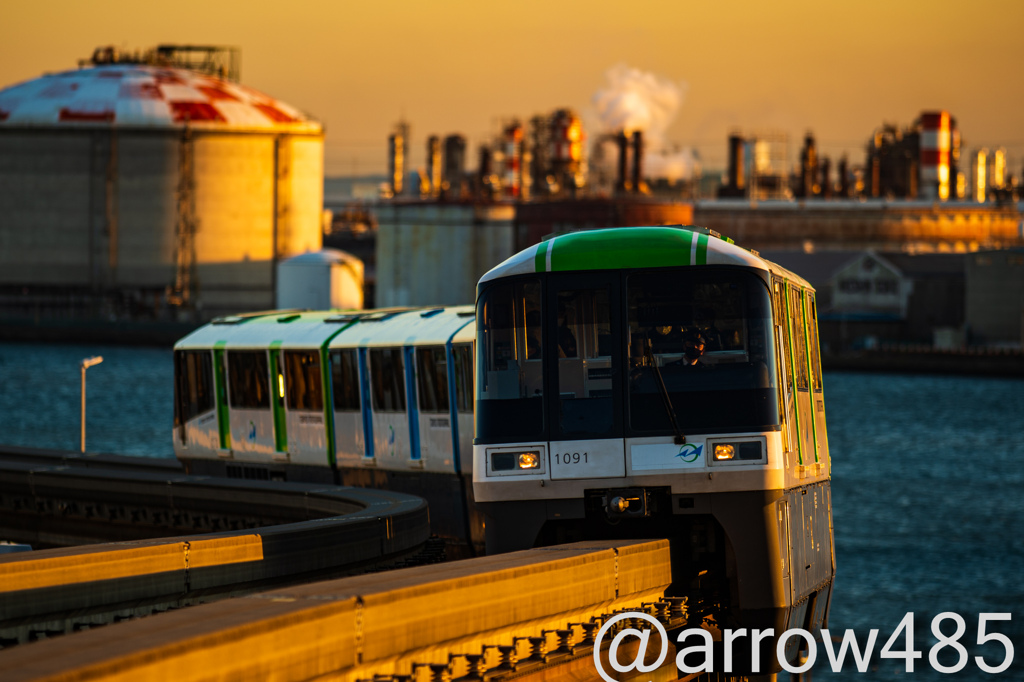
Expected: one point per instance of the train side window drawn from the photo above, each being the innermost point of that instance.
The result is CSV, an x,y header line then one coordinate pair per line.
x,y
302,380
179,394
432,377
248,379
812,331
512,348
463,357
387,380
194,385
796,314
779,318
345,380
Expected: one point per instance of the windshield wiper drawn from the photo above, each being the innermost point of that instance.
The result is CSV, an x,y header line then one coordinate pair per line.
x,y
680,438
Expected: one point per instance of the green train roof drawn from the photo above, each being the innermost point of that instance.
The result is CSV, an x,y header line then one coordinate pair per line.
x,y
626,247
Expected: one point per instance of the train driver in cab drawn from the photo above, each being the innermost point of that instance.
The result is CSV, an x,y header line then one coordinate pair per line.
x,y
693,349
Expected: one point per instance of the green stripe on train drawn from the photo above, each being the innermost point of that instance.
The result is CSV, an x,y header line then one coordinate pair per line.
x,y
632,247
702,249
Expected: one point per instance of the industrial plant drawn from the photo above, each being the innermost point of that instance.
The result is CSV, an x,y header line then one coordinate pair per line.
x,y
147,192
914,208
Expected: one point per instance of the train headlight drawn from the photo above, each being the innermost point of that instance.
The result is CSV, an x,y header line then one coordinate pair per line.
x,y
512,461
737,451
529,460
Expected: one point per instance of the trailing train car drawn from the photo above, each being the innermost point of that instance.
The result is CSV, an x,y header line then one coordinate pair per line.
x,y
660,382
379,398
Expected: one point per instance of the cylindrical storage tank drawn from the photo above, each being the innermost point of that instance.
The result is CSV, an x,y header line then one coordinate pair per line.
x,y
160,186
320,280
934,155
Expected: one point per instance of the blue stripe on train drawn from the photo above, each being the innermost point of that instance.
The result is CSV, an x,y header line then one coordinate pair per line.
x,y
413,411
364,395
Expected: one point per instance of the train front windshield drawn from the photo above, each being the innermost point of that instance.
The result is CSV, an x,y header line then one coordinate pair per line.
x,y
586,355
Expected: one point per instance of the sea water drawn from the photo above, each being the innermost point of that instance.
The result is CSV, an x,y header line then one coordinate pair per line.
x,y
927,485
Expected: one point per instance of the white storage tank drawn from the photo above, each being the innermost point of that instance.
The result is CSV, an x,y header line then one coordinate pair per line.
x,y
320,280
139,187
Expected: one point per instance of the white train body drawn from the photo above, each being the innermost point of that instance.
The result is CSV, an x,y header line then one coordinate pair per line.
x,y
660,382
377,398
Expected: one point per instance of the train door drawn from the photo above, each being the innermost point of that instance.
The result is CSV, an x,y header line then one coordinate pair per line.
x,y
434,408
305,430
804,421
277,403
821,444
390,421
787,385
347,404
460,376
195,417
585,313
250,417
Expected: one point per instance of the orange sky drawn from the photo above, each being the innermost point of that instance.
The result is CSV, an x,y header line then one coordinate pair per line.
x,y
836,68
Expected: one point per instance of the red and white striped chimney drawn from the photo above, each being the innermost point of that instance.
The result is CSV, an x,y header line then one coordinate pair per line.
x,y
935,146
513,172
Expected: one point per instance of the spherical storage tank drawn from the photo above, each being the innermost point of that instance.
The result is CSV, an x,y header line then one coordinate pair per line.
x,y
162,186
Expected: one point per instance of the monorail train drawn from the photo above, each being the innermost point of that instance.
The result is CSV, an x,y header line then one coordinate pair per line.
x,y
660,382
630,382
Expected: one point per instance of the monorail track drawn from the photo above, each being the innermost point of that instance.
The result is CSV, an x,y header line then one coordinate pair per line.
x,y
529,615
175,540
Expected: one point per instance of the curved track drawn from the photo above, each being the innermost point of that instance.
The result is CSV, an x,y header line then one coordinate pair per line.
x,y
266,533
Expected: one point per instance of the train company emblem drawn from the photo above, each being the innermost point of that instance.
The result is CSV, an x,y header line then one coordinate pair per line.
x,y
252,431
690,452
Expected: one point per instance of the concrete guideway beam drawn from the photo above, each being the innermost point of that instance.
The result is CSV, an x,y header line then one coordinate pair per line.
x,y
337,530
356,627
97,563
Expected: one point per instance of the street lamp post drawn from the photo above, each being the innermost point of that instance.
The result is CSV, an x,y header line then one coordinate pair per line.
x,y
86,364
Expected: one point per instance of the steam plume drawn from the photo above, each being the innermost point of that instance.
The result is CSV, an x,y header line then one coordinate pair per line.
x,y
638,100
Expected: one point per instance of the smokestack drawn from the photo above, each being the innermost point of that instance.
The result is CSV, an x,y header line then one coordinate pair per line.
x,y
621,183
512,180
826,177
484,172
844,180
934,155
434,165
638,162
396,162
808,169
737,180
454,165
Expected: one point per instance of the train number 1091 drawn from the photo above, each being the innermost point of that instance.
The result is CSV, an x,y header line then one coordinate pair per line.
x,y
571,458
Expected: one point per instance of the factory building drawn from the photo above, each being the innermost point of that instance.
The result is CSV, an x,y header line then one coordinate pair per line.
x,y
866,298
995,297
918,162
138,188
